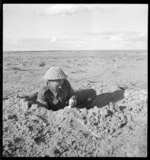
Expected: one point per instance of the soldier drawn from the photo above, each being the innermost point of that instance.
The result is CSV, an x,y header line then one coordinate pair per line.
x,y
56,93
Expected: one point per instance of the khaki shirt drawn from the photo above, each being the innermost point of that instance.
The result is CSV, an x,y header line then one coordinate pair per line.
x,y
55,99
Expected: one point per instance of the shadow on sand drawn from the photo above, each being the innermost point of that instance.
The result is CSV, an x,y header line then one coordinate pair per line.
x,y
105,98
100,101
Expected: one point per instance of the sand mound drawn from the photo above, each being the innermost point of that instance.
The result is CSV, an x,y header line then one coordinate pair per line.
x,y
71,132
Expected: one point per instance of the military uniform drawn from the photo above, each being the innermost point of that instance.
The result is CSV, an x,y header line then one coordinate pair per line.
x,y
55,99
59,99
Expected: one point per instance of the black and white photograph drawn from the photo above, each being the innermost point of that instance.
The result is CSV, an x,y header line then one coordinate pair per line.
x,y
74,80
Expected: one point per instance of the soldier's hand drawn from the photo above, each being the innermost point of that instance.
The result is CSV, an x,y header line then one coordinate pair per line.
x,y
72,102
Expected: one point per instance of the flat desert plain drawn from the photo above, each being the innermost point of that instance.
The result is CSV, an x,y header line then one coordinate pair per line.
x,y
114,126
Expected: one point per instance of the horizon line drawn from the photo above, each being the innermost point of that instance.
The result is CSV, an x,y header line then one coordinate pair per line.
x,y
76,50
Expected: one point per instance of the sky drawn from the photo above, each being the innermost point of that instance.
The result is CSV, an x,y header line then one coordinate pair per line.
x,y
33,27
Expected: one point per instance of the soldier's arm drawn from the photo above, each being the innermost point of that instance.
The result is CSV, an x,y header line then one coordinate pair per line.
x,y
43,104
41,99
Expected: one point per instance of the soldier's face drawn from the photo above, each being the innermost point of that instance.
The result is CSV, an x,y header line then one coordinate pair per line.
x,y
55,84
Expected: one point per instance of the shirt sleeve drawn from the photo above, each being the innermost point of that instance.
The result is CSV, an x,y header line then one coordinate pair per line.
x,y
41,98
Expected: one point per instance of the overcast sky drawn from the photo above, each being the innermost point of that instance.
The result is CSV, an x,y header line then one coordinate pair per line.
x,y
74,26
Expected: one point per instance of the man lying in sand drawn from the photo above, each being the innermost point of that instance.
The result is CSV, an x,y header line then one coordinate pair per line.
x,y
56,93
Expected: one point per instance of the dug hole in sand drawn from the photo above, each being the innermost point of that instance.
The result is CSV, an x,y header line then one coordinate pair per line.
x,y
114,126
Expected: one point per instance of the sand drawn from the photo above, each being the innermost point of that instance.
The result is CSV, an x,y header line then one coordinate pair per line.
x,y
114,126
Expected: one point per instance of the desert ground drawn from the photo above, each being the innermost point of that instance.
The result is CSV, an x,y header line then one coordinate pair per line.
x,y
114,126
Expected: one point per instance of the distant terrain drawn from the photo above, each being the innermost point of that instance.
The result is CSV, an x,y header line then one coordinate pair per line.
x,y
114,126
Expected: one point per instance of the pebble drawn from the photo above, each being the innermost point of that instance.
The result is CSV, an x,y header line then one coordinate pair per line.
x,y
44,124
34,106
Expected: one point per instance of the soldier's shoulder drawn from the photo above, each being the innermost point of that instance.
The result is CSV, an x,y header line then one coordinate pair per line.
x,y
43,90
66,82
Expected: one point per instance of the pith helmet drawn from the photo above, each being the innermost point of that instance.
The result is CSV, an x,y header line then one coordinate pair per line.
x,y
55,73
